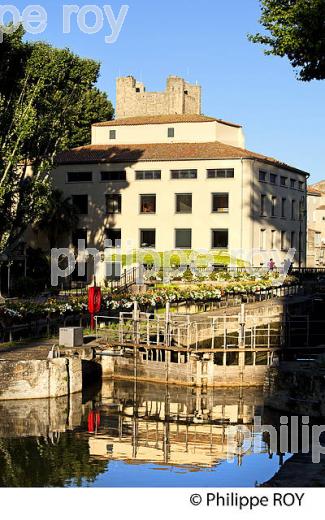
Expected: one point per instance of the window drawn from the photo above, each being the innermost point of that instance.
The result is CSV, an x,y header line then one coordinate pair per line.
x,y
301,185
318,237
220,238
273,178
183,238
292,183
283,181
183,202
113,176
80,177
183,174
293,209
147,203
112,134
147,238
228,173
171,132
81,204
262,176
148,175
77,235
113,236
263,205
273,209
263,239
113,203
273,239
293,240
283,207
220,202
283,240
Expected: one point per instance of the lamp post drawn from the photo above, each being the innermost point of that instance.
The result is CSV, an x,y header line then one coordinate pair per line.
x,y
302,215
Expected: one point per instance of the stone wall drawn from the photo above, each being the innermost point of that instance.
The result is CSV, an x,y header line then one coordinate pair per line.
x,y
180,97
37,379
196,372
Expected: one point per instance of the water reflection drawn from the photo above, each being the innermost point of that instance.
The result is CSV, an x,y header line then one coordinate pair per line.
x,y
179,426
119,435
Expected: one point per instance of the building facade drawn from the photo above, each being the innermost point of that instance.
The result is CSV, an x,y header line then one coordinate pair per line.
x,y
183,182
316,225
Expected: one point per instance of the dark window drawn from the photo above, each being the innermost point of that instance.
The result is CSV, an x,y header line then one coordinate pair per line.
x,y
273,178
283,207
301,185
147,238
263,205
171,132
113,203
220,238
262,176
184,174
147,203
112,134
293,209
81,204
220,202
292,183
283,240
80,176
283,181
273,206
148,175
183,238
113,236
113,176
293,240
183,202
79,234
228,173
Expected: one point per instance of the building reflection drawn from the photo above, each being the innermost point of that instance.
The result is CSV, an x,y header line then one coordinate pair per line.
x,y
178,426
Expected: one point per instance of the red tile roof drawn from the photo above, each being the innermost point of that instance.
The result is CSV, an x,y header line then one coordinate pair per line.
x,y
313,191
164,119
133,153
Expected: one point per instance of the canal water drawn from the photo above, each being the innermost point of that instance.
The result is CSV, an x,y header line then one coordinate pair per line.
x,y
127,434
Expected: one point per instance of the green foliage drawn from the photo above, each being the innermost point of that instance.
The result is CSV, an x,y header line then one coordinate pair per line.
x,y
296,29
66,464
48,101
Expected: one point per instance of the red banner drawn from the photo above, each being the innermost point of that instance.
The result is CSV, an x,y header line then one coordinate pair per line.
x,y
94,299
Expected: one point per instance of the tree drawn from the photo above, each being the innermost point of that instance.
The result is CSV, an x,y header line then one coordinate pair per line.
x,y
296,29
48,101
60,217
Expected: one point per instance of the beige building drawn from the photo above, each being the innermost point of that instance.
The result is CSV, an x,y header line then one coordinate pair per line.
x,y
183,182
316,225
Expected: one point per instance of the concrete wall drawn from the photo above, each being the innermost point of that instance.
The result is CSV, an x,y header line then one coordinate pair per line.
x,y
193,373
180,97
196,132
37,379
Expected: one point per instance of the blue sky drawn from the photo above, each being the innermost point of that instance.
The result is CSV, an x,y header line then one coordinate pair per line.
x,y
206,42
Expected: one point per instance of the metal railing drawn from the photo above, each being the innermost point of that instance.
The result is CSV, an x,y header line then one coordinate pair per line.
x,y
127,279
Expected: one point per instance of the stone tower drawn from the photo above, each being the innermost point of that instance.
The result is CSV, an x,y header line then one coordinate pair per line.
x,y
180,97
